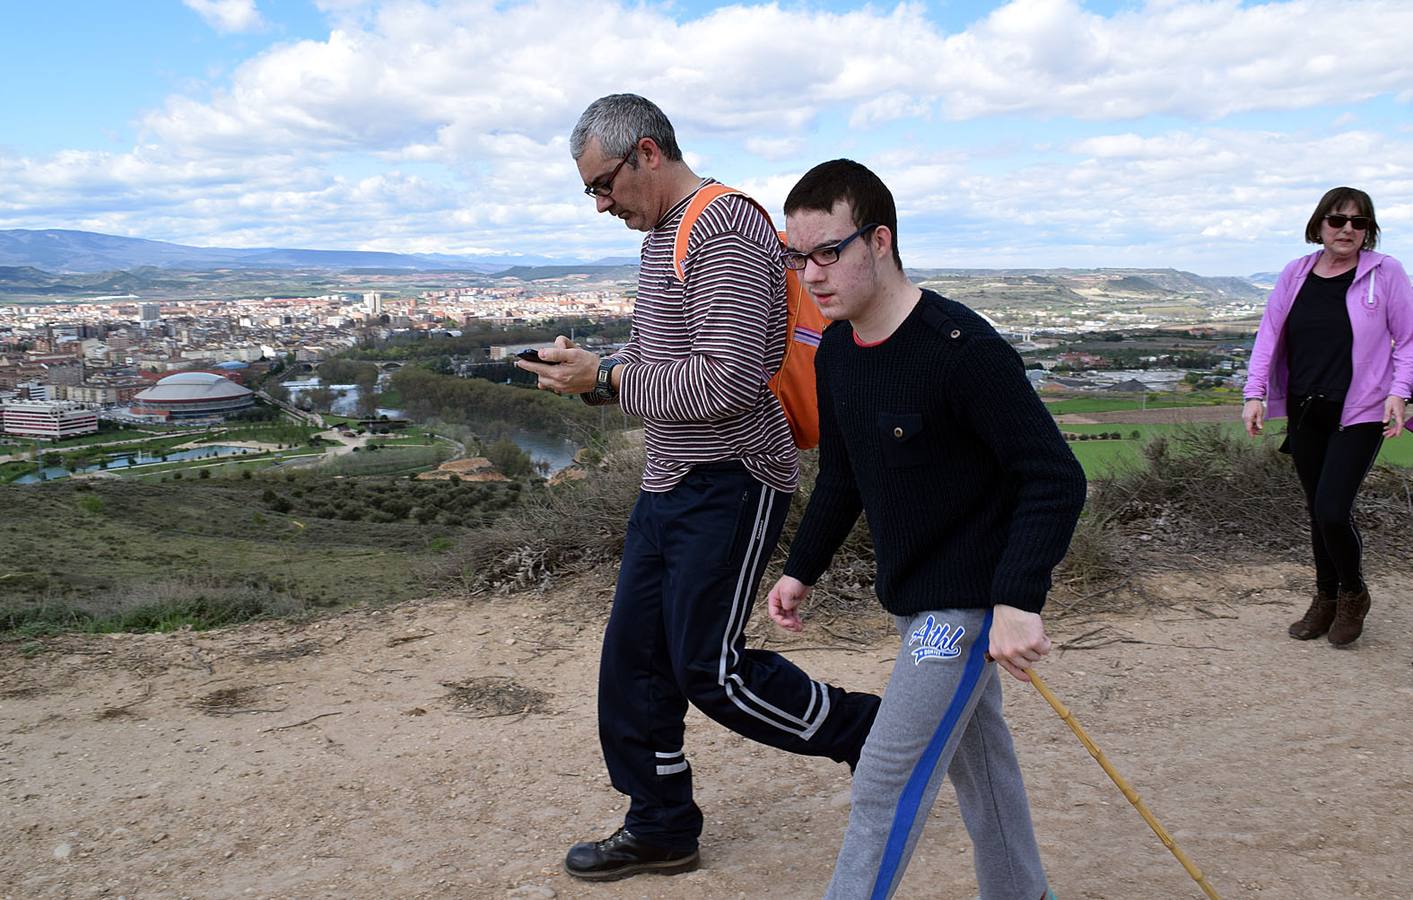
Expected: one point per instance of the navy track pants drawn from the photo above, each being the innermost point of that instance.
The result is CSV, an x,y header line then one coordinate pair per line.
x,y
692,562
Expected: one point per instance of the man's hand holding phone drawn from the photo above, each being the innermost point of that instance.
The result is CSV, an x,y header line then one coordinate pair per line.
x,y
532,355
563,368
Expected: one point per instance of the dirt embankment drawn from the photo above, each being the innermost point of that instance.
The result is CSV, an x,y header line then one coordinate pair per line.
x,y
448,749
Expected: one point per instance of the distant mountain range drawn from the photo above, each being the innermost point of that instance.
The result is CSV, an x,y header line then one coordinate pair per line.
x,y
72,265
65,252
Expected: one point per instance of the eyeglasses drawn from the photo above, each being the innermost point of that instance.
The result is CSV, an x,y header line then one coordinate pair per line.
x,y
1360,223
605,187
822,256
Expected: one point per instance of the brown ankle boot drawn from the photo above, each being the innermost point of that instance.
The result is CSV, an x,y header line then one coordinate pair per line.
x,y
1316,620
1351,608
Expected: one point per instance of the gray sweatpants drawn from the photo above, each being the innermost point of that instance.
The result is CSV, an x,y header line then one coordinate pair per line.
x,y
941,714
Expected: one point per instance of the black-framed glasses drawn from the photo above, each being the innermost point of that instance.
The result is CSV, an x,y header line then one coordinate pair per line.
x,y
823,256
1337,221
605,187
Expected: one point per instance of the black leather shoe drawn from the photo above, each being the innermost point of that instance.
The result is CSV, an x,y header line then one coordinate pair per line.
x,y
622,855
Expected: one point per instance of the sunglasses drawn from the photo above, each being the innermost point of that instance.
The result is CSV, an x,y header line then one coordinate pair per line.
x,y
1360,223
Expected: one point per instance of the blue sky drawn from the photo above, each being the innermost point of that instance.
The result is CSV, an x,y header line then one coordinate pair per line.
x,y
1196,134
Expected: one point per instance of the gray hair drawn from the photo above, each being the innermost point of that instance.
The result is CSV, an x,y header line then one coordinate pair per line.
x,y
621,120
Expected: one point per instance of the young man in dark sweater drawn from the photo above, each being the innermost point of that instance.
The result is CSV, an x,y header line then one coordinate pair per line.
x,y
929,427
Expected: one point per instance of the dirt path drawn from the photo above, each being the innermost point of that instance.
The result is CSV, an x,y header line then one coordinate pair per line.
x,y
334,759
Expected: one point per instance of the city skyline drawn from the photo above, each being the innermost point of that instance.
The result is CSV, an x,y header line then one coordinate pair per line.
x,y
1037,133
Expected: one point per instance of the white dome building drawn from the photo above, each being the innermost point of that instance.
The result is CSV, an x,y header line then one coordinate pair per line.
x,y
189,395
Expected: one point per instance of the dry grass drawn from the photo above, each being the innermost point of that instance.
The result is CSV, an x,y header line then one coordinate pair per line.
x,y
1199,490
1209,490
1203,492
491,696
227,701
162,605
562,529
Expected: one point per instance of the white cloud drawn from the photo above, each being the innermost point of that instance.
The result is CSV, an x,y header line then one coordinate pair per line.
x,y
775,148
228,16
454,117
411,76
1214,201
1205,60
886,108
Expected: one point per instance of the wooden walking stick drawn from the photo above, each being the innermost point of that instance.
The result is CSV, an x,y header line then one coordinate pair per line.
x,y
1132,795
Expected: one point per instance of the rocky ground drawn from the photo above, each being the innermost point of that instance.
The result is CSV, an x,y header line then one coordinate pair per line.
x,y
448,749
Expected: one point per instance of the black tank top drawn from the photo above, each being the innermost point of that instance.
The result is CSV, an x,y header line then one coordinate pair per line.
x,y
1319,338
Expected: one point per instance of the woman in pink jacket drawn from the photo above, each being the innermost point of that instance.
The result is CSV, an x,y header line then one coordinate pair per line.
x,y
1335,353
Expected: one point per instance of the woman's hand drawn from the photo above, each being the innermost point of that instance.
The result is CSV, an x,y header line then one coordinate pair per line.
x,y
1395,412
1253,413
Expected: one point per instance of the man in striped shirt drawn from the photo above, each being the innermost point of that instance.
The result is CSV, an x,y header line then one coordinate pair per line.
x,y
720,469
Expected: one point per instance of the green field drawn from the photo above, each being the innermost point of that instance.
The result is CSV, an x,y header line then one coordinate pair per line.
x,y
108,435
1125,402
1398,451
389,461
293,439
1101,458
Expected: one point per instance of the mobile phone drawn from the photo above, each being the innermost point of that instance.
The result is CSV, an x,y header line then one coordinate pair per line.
x,y
533,356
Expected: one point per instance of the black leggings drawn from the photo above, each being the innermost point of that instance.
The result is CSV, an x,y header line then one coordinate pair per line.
x,y
1332,462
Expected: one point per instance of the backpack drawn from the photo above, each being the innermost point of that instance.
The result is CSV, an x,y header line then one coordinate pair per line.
x,y
793,383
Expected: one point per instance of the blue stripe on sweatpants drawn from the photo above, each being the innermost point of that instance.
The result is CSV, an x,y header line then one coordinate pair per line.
x,y
912,795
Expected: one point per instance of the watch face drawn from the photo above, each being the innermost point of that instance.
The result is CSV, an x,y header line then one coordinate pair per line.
x,y
603,384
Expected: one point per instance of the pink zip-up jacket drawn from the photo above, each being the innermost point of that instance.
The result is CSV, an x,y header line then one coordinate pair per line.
x,y
1380,305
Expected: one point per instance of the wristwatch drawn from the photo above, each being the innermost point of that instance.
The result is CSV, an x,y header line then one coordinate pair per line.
x,y
603,382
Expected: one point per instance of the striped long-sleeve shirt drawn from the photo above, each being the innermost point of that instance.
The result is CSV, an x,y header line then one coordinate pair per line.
x,y
701,351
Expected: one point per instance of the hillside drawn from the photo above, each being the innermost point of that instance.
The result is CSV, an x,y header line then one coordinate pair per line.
x,y
29,281
1023,297
116,547
448,748
1174,280
612,272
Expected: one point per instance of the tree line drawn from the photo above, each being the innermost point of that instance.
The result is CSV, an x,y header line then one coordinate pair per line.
x,y
492,407
476,339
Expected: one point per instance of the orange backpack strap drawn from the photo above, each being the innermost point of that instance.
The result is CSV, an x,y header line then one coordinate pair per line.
x,y
793,383
704,198
804,323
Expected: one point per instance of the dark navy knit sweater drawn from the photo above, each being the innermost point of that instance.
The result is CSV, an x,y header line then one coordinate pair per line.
x,y
935,434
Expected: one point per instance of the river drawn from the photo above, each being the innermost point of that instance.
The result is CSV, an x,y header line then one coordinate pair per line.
x,y
558,453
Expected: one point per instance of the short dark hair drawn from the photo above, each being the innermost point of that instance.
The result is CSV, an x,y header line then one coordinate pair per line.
x,y
843,179
620,121
1335,198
